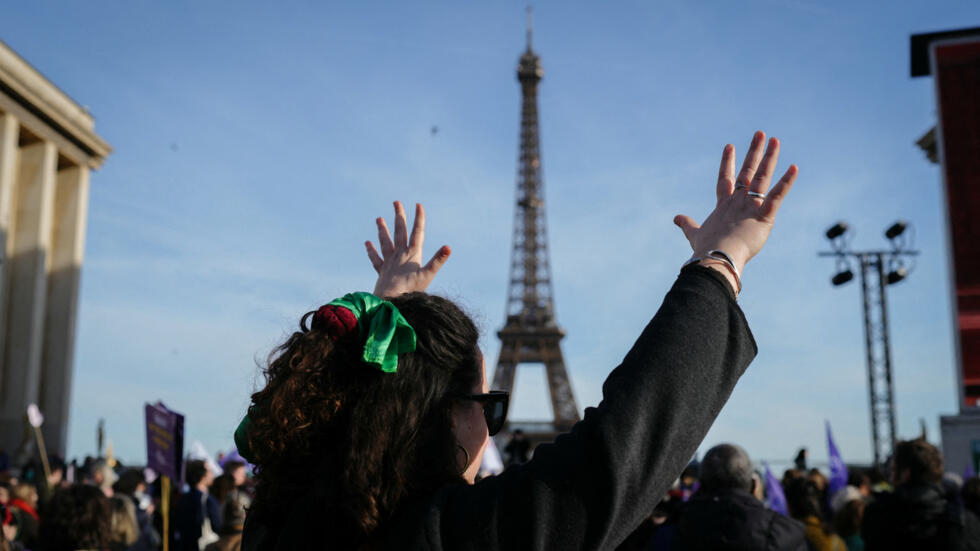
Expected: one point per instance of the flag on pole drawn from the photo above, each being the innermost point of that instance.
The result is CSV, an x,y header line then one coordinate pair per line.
x,y
838,470
774,492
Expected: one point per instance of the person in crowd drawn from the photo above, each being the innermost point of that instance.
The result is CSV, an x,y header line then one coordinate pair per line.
x,y
238,472
222,487
23,504
790,474
232,523
879,481
848,510
77,518
970,494
688,482
918,513
803,501
725,514
518,450
385,402
800,461
132,485
822,485
103,476
859,479
55,480
8,530
123,528
197,514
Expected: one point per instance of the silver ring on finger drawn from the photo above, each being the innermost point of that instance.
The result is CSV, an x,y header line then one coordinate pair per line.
x,y
756,194
739,186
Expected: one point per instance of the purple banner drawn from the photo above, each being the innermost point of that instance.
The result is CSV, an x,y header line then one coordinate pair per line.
x,y
165,441
838,470
774,492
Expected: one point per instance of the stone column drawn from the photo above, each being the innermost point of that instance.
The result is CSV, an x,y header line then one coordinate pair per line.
x,y
67,249
27,284
9,133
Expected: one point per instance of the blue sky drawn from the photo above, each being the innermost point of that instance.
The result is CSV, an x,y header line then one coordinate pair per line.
x,y
255,143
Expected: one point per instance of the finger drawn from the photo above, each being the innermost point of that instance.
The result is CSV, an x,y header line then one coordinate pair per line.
x,y
688,226
384,237
760,183
401,231
374,256
779,191
418,228
438,259
726,173
751,159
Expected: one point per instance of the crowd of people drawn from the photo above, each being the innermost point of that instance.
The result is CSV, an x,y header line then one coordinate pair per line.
x,y
100,504
721,502
724,503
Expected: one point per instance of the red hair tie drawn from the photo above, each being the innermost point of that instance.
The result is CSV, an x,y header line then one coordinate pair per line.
x,y
336,321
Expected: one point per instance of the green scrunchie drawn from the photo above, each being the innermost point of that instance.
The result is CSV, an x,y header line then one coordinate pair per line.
x,y
385,331
388,334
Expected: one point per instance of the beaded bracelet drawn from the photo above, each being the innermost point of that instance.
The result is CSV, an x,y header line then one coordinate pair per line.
x,y
726,260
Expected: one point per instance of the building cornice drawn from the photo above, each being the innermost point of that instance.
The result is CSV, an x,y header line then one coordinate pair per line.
x,y
47,104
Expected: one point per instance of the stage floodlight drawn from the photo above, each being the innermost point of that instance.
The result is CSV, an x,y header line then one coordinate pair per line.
x,y
895,276
896,229
842,278
837,230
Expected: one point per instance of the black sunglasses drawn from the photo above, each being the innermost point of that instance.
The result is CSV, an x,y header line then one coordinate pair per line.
x,y
494,405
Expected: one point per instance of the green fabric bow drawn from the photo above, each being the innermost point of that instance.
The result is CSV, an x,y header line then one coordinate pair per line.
x,y
385,331
386,334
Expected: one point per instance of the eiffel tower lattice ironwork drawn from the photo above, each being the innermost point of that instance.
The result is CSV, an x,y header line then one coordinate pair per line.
x,y
531,334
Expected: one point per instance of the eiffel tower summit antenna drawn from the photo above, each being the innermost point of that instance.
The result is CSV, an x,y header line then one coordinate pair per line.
x,y
531,335
530,26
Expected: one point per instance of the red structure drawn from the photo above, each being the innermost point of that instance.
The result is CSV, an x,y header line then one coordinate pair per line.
x,y
956,71
953,60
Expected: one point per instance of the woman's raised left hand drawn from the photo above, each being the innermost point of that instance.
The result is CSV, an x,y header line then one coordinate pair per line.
x,y
399,265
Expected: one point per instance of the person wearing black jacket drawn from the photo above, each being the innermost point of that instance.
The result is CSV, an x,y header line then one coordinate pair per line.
x,y
920,513
394,452
724,515
196,513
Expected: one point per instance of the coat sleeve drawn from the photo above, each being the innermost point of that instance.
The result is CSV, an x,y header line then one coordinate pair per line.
x,y
593,485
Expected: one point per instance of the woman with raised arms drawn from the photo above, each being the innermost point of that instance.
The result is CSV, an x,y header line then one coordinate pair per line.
x,y
374,416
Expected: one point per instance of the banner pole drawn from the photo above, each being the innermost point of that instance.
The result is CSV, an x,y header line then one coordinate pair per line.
x,y
165,510
44,455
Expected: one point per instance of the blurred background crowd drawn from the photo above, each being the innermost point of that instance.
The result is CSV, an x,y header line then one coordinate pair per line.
x,y
723,501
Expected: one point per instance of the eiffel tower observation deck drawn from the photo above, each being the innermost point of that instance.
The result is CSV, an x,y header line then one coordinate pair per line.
x,y
531,334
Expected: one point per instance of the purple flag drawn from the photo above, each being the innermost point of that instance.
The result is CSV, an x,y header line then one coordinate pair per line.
x,y
838,470
774,491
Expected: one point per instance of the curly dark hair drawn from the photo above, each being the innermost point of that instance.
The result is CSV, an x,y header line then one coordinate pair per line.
x,y
350,442
76,518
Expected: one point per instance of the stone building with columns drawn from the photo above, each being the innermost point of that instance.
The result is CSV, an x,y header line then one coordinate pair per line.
x,y
48,146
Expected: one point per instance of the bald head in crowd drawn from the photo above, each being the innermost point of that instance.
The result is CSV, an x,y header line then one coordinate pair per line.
x,y
726,467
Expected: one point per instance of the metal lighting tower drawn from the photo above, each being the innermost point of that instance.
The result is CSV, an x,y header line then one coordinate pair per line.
x,y
874,279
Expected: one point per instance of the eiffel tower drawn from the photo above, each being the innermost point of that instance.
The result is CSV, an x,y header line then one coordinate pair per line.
x,y
531,334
